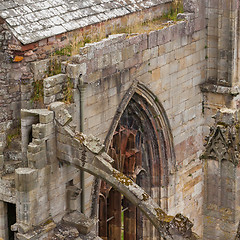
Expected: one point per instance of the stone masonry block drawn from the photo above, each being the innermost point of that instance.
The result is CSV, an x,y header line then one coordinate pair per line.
x,y
74,70
1,147
49,100
63,116
164,36
146,55
37,160
25,179
53,90
104,61
40,69
80,221
128,52
46,116
116,57
1,162
54,80
42,130
152,39
33,148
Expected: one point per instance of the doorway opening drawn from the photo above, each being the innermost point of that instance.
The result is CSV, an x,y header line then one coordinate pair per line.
x,y
11,214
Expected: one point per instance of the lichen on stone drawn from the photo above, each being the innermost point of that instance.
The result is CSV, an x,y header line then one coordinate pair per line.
x,y
80,137
162,216
122,178
145,196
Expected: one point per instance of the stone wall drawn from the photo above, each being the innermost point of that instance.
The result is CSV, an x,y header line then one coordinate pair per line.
x,y
17,74
170,62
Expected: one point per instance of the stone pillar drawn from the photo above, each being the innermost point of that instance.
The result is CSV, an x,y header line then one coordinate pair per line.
x,y
114,212
220,216
222,31
102,217
26,192
3,221
129,220
27,120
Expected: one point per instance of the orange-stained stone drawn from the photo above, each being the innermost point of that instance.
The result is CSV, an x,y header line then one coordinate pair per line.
x,y
17,59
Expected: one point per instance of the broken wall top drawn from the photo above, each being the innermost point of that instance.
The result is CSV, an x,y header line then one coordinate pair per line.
x,y
34,20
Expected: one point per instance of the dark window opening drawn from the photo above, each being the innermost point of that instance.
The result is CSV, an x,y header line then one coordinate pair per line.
x,y
138,148
11,213
30,137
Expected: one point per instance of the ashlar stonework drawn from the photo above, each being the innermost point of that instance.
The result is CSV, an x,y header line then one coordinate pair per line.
x,y
119,119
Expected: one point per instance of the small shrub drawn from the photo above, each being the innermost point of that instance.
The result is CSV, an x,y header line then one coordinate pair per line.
x,y
37,91
68,92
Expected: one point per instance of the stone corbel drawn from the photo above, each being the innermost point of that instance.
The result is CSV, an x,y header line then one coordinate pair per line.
x,y
214,88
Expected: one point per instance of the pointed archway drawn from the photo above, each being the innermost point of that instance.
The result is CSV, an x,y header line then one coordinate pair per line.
x,y
142,149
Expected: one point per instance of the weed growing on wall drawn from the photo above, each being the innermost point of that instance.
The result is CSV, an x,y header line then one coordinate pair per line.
x,y
97,33
15,133
53,69
54,66
37,91
177,7
68,92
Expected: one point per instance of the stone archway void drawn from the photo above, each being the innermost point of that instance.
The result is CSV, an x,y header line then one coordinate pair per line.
x,y
139,148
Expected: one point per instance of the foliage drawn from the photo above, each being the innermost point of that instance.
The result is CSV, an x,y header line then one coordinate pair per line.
x,y
37,91
14,133
97,33
54,66
177,7
68,92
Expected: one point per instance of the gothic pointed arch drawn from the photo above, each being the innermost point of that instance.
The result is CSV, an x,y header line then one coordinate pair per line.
x,y
157,111
140,142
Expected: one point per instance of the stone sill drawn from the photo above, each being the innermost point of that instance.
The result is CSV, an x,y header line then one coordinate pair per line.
x,y
213,88
37,233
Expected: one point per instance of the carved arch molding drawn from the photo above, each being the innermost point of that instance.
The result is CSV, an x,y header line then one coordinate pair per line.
x,y
141,145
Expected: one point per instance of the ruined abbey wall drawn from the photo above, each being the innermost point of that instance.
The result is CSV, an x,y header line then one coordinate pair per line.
x,y
188,68
169,62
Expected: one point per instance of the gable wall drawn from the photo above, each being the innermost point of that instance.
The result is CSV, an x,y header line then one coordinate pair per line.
x,y
171,63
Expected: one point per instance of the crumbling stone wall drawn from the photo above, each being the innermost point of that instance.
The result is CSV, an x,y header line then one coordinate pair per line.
x,y
170,62
7,95
17,74
41,189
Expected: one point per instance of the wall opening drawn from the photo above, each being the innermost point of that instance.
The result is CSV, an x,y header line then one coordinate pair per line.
x,y
11,214
139,149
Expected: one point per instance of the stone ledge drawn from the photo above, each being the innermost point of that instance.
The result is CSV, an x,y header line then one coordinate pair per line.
x,y
37,232
213,88
78,220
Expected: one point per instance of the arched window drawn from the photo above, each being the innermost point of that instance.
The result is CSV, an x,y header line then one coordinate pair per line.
x,y
141,149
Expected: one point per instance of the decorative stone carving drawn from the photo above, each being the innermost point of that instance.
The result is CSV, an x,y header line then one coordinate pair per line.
x,y
223,142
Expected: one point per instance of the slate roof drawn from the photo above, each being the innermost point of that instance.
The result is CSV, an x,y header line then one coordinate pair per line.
x,y
33,20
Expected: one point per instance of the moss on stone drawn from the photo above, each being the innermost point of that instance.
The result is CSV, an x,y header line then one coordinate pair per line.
x,y
162,216
145,196
122,178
